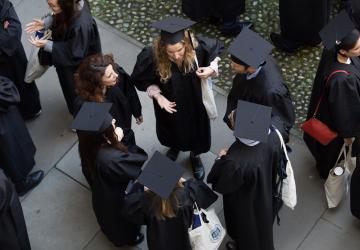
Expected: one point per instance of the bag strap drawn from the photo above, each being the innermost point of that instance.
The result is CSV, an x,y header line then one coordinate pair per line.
x,y
342,152
327,81
283,146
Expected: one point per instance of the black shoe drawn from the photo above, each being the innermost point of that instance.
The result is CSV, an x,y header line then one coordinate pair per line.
x,y
235,28
283,44
197,167
172,153
231,245
139,238
31,181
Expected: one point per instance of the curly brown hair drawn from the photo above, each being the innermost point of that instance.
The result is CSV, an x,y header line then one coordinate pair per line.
x,y
163,63
88,77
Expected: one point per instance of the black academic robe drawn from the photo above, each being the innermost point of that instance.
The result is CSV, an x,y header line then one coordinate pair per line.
x,y
339,109
301,20
246,177
79,40
170,233
197,9
13,60
267,88
189,128
17,150
108,181
13,233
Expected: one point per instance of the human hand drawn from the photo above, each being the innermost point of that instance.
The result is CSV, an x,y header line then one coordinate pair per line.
x,y
40,43
204,72
222,152
165,103
34,26
139,120
6,24
348,141
119,133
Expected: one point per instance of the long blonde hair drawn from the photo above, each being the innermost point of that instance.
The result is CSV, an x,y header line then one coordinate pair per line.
x,y
166,208
163,63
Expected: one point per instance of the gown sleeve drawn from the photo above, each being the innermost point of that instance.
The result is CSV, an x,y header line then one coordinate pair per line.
x,y
74,49
212,47
130,92
9,94
10,37
227,176
344,105
4,194
134,207
144,73
123,166
201,193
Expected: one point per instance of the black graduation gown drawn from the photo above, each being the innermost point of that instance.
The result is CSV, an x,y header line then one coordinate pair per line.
x,y
80,39
13,233
197,9
13,60
267,88
301,20
171,233
245,177
339,109
113,171
189,128
355,191
17,150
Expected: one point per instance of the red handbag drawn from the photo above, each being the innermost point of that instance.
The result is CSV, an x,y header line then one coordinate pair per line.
x,y
316,128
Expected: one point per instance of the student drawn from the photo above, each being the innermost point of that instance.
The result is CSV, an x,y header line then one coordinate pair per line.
x,y
245,175
258,79
17,150
108,166
168,73
166,206
74,36
300,23
13,231
100,79
13,61
340,106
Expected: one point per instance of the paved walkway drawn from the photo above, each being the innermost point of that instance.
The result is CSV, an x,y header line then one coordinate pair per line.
x,y
58,212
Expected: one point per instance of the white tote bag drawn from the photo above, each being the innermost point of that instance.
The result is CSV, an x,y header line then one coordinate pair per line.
x,y
208,95
288,190
336,185
210,234
34,69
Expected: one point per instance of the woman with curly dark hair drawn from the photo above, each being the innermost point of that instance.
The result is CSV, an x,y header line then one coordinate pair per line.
x,y
108,165
74,36
100,79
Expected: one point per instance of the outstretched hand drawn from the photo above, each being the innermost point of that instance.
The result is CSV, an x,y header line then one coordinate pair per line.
x,y
35,25
165,103
40,43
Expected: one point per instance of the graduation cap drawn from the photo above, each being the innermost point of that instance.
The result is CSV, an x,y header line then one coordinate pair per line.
x,y
93,117
172,28
252,121
250,48
336,30
161,175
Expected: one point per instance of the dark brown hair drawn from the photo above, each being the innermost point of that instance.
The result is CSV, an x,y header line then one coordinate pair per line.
x,y
63,19
165,208
90,144
88,76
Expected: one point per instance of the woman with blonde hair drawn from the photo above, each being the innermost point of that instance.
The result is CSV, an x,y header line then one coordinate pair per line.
x,y
168,72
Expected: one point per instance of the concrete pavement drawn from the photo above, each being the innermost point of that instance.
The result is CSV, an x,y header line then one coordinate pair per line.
x,y
58,212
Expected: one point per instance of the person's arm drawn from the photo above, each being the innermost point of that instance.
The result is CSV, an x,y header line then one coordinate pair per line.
x,y
10,32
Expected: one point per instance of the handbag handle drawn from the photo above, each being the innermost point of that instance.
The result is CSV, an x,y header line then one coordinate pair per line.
x,y
283,146
342,151
323,93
